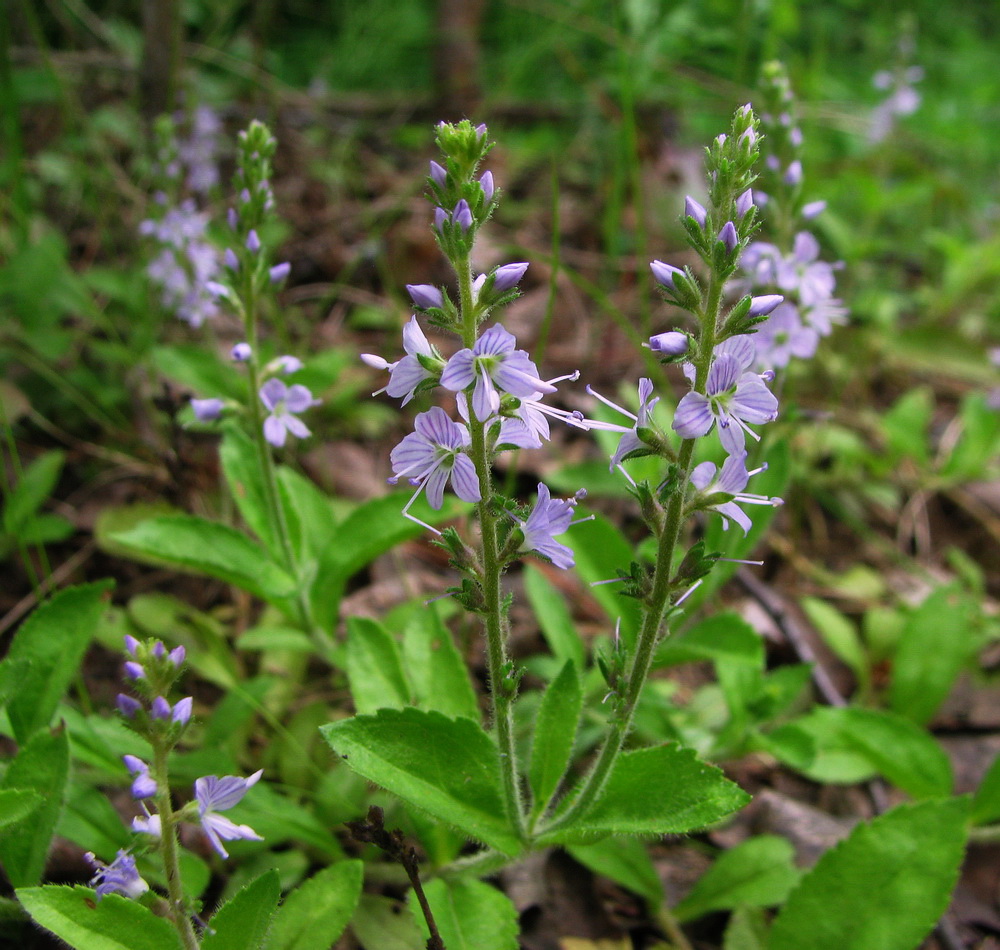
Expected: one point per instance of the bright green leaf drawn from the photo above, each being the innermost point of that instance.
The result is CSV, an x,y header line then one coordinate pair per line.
x,y
554,618
245,478
839,634
113,923
447,767
315,914
883,887
36,484
437,673
374,667
555,732
242,922
469,914
51,642
16,804
746,930
381,922
625,860
757,873
986,803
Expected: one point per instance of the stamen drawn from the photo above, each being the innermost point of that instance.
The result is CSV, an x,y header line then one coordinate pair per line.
x,y
680,600
608,402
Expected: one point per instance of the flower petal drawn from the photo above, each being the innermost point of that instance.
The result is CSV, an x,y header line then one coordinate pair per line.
x,y
693,417
464,479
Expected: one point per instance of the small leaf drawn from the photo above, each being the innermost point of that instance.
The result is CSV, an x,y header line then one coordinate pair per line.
x,y
469,914
689,794
934,645
757,873
310,508
883,887
205,547
315,914
374,667
42,766
198,368
746,930
438,674
241,468
242,922
447,767
383,923
839,634
986,803
51,644
33,488
113,923
555,734
554,618
625,860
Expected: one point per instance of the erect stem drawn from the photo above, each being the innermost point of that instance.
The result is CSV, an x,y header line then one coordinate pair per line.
x,y
494,620
168,849
659,595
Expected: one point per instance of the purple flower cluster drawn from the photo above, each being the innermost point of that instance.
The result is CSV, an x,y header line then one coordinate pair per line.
x,y
902,100
119,877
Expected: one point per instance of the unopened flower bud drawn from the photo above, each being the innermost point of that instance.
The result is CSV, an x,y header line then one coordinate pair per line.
x,y
761,306
462,215
280,271
253,242
127,706
182,710
206,410
232,261
729,237
692,209
241,352
664,273
438,174
508,276
131,644
425,296
671,343
160,708
440,216
480,130
795,137
793,174
744,203
233,218
812,209
289,364
134,670
176,655
486,183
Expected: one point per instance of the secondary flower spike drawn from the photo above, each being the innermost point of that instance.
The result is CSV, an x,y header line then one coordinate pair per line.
x,y
493,362
215,794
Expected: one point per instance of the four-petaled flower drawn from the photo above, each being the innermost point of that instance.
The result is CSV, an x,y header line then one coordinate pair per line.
x,y
119,877
215,794
733,398
406,374
493,362
731,481
549,517
630,441
432,454
284,403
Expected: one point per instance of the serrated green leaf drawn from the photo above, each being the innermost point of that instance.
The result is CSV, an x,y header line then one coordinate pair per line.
x,y
242,470
42,766
757,873
437,673
555,733
114,923
447,767
883,887
986,802
16,804
382,922
690,794
36,484
901,751
197,546
51,644
934,645
554,618
469,914
816,745
625,860
315,914
374,667
242,922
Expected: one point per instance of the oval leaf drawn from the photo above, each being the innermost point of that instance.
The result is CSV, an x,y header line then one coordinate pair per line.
x,y
317,911
241,923
469,915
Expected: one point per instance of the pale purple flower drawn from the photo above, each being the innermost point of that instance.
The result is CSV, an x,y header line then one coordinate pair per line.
x,y
215,794
803,272
782,336
664,273
148,825
630,440
508,276
425,296
491,364
761,262
731,481
206,410
279,272
486,183
288,364
813,209
159,708
744,203
549,517
181,713
119,877
692,209
823,314
143,785
406,374
729,237
431,455
283,404
438,174
732,399
127,706
200,151
671,343
761,306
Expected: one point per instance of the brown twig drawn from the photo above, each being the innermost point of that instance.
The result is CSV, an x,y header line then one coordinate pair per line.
x,y
372,830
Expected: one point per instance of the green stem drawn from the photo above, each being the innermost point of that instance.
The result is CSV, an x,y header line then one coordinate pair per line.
x,y
657,601
501,693
168,849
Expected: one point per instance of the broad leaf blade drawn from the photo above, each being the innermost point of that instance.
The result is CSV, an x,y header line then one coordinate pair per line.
x,y
205,547
242,470
554,618
51,642
438,674
555,732
113,923
986,802
242,922
447,767
883,887
374,667
469,914
16,804
625,860
42,766
36,483
315,914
